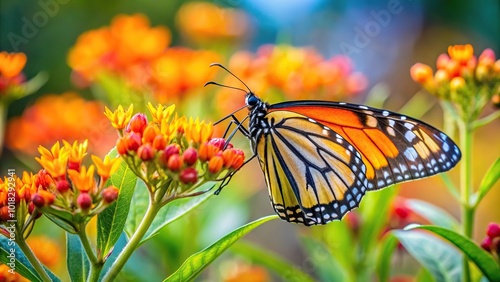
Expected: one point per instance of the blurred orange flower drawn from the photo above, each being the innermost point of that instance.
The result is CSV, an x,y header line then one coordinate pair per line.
x,y
204,22
297,73
240,271
46,250
123,46
7,276
56,117
180,70
11,65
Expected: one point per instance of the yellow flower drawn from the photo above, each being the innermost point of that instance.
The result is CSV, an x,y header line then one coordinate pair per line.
x,y
83,180
197,131
54,161
119,118
77,151
11,64
107,167
461,53
161,112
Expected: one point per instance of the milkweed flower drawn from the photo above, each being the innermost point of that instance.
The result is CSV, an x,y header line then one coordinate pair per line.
x,y
175,154
204,22
491,242
461,77
76,119
11,65
296,72
68,189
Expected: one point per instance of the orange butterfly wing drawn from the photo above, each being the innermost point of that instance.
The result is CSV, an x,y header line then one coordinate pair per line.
x,y
393,147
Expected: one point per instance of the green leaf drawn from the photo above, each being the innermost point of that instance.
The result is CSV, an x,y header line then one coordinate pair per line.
x,y
387,246
326,266
197,262
424,276
442,260
111,221
9,250
76,259
483,260
489,179
166,215
432,213
281,267
63,219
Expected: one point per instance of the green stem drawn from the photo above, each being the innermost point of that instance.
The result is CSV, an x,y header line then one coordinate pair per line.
x,y
96,265
40,270
486,120
135,240
467,210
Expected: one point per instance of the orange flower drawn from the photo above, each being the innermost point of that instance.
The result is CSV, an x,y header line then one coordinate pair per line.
x,y
77,152
421,73
84,179
76,119
122,47
461,53
205,22
54,161
11,64
46,250
7,276
120,117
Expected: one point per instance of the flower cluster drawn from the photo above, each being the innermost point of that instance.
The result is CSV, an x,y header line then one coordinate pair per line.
x,y
68,190
135,53
17,212
462,78
204,22
40,126
492,241
171,153
11,65
296,72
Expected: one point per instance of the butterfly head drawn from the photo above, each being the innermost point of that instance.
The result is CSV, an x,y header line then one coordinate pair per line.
x,y
252,101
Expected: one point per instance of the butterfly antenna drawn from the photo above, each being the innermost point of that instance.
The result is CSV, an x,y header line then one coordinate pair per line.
x,y
224,68
222,85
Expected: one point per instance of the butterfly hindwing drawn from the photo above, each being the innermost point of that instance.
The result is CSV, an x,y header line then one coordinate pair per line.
x,y
314,176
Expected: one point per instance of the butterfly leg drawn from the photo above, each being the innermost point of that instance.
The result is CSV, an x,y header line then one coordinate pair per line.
x,y
227,178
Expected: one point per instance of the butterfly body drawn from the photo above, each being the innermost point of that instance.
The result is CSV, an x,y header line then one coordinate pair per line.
x,y
319,158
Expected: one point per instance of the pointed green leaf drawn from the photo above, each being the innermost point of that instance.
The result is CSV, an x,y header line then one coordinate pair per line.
x,y
193,265
166,215
61,221
12,256
432,213
271,261
326,266
489,179
384,259
76,259
111,221
483,260
442,260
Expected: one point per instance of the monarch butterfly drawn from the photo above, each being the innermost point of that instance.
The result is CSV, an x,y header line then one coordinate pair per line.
x,y
319,158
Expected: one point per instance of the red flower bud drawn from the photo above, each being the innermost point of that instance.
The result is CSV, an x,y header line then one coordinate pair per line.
x,y
159,142
215,164
62,186
32,209
84,201
486,244
493,230
174,163
133,141
42,198
149,134
189,176
121,146
146,152
442,61
172,149
138,122
74,166
110,194
43,179
239,159
207,151
220,143
190,156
